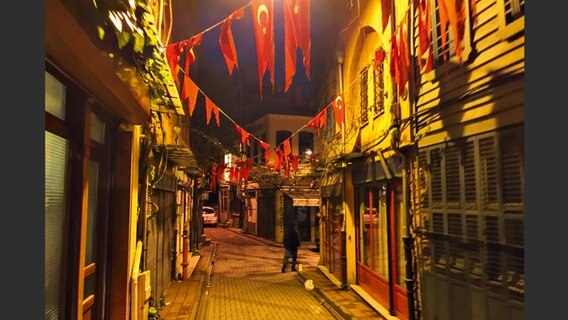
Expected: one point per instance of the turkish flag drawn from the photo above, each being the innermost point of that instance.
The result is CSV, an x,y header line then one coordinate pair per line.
x,y
263,23
339,110
189,92
400,58
221,170
244,171
226,40
243,134
453,12
278,159
425,58
318,121
294,160
211,107
189,53
287,147
173,52
296,35
233,174
266,148
386,12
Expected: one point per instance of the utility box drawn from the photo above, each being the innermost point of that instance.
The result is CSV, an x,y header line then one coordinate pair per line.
x,y
144,293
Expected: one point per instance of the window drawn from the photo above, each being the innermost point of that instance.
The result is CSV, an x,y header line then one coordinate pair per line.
x,y
443,41
364,85
379,77
472,202
306,144
282,135
511,18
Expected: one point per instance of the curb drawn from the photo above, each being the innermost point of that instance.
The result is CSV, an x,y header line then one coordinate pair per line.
x,y
204,278
324,300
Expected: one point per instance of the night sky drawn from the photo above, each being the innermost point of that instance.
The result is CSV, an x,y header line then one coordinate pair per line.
x,y
238,95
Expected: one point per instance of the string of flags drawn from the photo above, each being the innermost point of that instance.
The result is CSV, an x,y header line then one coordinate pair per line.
x,y
297,35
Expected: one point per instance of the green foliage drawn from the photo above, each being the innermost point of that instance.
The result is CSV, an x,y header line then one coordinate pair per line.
x,y
131,26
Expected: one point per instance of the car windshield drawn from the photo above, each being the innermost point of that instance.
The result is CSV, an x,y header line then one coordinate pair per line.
x,y
208,210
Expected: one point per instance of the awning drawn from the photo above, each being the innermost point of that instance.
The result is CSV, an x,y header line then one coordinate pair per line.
x,y
304,197
182,156
331,185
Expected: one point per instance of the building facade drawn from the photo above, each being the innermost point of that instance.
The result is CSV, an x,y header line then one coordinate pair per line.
x,y
111,176
422,198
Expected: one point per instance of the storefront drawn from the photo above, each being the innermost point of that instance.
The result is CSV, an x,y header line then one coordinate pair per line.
x,y
301,207
332,225
380,225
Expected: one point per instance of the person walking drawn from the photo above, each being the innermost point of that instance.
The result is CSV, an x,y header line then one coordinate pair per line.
x,y
291,244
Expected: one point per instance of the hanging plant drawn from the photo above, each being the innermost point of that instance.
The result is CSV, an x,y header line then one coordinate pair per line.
x,y
131,26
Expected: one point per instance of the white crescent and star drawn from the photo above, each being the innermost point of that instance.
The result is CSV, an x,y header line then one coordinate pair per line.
x,y
339,102
262,8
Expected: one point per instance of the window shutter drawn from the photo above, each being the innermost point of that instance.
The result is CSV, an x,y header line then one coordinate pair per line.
x,y
470,182
439,243
364,76
488,173
436,177
453,184
423,179
512,170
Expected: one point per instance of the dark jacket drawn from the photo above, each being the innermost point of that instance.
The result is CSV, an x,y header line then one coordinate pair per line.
x,y
291,240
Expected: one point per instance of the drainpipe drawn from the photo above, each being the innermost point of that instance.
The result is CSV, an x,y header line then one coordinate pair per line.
x,y
408,241
134,307
340,56
185,238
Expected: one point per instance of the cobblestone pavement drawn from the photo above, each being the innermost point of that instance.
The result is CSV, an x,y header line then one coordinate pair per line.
x,y
247,283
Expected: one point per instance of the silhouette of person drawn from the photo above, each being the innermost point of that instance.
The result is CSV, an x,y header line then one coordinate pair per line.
x,y
291,244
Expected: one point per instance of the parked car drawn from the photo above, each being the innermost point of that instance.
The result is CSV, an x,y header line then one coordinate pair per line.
x,y
209,216
367,215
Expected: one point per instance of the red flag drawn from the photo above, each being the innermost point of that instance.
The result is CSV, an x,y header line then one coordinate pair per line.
x,y
189,92
453,12
386,12
213,177
339,110
226,40
296,35
400,59
266,148
221,170
243,134
189,53
318,121
233,174
380,56
173,52
425,58
294,160
287,147
278,159
211,107
263,17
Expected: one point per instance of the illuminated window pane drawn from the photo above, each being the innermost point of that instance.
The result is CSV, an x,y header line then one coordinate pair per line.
x,y
54,96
